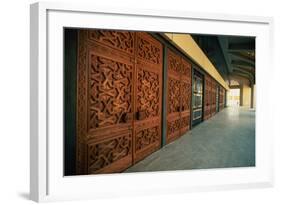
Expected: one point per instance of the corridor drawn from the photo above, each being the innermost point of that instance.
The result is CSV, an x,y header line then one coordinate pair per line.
x,y
127,93
225,140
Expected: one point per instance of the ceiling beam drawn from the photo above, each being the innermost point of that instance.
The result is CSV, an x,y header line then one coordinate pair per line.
x,y
239,73
242,58
245,46
244,70
223,41
247,68
241,63
251,76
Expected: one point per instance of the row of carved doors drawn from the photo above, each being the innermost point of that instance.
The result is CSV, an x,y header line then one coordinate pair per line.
x,y
119,99
119,102
214,97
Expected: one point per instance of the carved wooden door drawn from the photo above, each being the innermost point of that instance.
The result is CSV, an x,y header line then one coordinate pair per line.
x,y
214,89
148,95
118,99
105,101
207,97
173,96
222,92
217,98
178,96
185,96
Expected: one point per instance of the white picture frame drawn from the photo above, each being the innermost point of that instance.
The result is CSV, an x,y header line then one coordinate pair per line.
x,y
47,182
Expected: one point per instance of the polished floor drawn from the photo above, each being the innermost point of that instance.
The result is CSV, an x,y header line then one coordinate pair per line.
x,y
225,140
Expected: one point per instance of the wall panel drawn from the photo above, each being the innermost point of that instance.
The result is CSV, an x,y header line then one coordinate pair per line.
x,y
118,99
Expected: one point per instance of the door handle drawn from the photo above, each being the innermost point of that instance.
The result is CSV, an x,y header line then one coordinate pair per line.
x,y
140,115
124,117
137,115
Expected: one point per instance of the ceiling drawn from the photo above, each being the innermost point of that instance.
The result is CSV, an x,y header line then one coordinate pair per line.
x,y
233,56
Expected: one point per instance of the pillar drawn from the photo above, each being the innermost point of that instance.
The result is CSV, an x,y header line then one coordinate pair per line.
x,y
252,95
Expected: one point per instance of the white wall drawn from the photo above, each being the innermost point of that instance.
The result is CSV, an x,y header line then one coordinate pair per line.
x,y
233,97
14,103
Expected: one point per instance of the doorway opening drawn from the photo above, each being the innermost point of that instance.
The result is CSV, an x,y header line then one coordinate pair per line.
x,y
233,97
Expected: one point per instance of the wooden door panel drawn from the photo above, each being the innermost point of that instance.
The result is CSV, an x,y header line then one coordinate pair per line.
x,y
174,68
110,87
149,50
213,106
148,90
185,96
104,106
112,154
173,128
213,97
222,92
148,94
147,139
123,41
148,112
208,97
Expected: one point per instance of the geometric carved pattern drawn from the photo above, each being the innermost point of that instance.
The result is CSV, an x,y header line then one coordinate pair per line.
x,y
185,96
105,153
119,74
185,122
178,95
119,78
222,97
173,95
148,93
214,91
148,51
174,63
146,137
186,69
173,126
210,97
185,92
148,96
121,40
110,91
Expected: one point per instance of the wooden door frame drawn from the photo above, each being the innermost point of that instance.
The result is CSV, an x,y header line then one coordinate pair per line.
x,y
69,99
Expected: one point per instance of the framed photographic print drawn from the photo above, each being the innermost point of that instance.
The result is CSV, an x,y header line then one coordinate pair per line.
x,y
127,102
